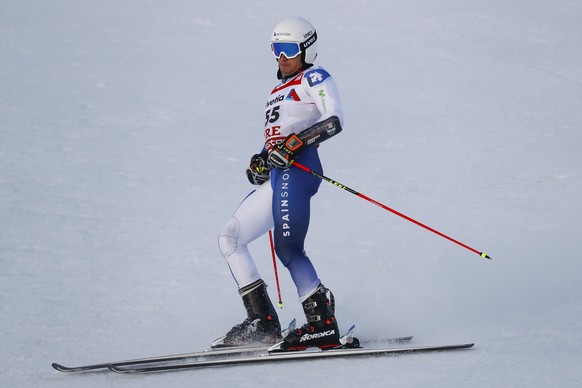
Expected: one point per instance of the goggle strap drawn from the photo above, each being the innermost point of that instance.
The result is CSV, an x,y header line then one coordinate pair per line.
x,y
305,45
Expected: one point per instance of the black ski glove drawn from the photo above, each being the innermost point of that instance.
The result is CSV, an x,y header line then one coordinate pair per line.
x,y
283,154
258,171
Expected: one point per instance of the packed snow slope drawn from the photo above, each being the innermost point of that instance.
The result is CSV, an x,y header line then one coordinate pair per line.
x,y
126,127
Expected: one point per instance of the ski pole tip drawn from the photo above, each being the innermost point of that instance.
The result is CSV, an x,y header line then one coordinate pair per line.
x,y
280,304
485,256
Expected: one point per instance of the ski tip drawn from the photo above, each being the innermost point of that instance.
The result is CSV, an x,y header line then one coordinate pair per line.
x,y
58,367
66,369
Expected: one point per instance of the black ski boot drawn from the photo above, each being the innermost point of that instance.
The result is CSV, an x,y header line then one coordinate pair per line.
x,y
321,329
262,323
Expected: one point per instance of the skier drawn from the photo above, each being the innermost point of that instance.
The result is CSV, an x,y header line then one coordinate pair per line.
x,y
303,110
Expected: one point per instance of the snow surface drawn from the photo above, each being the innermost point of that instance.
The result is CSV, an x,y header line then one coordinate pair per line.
x,y
126,127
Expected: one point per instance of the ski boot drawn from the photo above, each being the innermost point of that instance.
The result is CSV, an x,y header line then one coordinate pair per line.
x,y
321,329
262,324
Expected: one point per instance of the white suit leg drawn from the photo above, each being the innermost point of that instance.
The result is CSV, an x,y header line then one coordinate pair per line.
x,y
252,219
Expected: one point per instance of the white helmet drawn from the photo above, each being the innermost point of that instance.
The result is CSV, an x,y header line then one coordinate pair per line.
x,y
296,30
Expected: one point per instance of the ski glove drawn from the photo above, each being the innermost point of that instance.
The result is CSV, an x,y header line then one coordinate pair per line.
x,y
258,171
283,154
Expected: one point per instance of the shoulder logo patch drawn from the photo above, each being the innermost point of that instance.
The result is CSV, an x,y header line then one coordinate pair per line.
x,y
316,77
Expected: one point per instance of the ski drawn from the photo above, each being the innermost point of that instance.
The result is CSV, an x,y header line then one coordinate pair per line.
x,y
167,358
205,354
268,357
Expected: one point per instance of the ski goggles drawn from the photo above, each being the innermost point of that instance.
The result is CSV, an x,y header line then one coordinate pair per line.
x,y
290,49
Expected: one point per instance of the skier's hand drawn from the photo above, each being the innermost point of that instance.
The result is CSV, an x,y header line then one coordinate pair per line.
x,y
283,155
258,171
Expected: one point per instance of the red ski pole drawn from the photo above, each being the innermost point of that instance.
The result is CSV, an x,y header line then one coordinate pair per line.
x,y
275,268
341,186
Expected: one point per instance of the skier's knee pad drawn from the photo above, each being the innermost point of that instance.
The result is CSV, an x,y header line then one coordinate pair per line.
x,y
287,251
228,238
